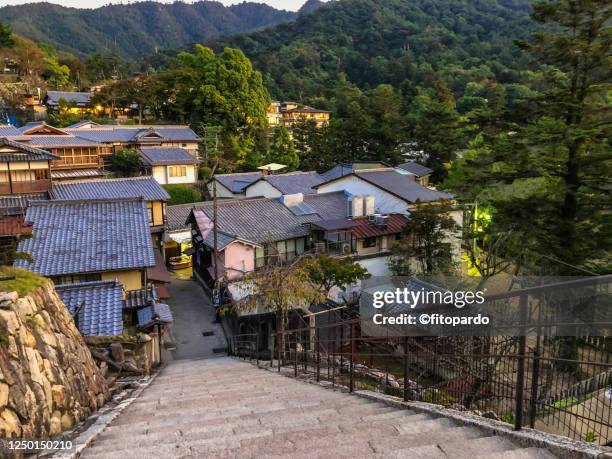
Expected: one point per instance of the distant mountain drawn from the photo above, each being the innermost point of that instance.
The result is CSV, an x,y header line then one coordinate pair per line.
x,y
137,29
389,41
310,6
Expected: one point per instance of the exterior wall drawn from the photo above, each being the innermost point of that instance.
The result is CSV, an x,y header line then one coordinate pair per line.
x,y
238,259
385,202
158,212
383,244
262,188
223,192
131,280
161,174
376,266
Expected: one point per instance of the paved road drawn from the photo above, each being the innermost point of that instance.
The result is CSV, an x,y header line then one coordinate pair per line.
x,y
193,315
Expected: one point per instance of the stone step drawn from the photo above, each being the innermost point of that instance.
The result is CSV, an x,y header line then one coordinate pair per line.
x,y
457,449
523,453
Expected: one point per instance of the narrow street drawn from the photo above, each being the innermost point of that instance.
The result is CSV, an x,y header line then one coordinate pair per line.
x,y
194,320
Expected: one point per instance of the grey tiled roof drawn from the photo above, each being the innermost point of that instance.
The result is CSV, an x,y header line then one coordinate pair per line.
x,y
293,182
6,130
57,141
157,312
236,183
127,134
154,156
177,215
73,237
339,170
267,219
15,203
416,169
24,153
77,173
401,185
100,303
82,123
140,298
80,98
133,187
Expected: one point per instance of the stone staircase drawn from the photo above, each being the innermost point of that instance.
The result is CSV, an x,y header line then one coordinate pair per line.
x,y
222,407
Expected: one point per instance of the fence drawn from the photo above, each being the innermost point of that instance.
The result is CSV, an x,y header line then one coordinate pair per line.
x,y
523,380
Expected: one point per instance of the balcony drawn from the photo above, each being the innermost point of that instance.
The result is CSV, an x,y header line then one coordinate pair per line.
x,y
35,186
5,188
279,259
336,248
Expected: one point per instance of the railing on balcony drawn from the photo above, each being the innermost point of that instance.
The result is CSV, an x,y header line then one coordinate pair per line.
x,y
340,248
278,259
5,188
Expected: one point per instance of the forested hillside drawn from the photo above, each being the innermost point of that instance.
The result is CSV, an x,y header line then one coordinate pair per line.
x,y
136,29
390,41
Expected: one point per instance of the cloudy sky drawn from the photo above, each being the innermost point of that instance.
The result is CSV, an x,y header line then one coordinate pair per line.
x,y
281,4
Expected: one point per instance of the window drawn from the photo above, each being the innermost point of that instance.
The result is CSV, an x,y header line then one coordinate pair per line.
x,y
150,213
76,278
369,242
177,171
4,177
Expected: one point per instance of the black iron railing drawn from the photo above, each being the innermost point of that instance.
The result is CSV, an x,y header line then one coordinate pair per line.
x,y
522,380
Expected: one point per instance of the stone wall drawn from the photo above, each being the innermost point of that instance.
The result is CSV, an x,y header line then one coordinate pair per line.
x,y
48,378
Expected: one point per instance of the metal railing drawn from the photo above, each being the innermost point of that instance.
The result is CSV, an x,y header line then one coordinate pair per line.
x,y
522,380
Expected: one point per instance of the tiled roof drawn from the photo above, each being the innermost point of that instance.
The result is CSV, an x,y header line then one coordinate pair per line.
x,y
24,152
77,173
73,237
157,312
293,182
58,141
16,203
139,298
81,123
154,156
236,183
110,133
80,98
416,169
7,130
99,305
133,187
267,219
177,215
401,185
342,169
365,228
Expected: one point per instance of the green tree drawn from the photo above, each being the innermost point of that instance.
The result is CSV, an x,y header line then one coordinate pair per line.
x,y
56,74
182,194
126,162
6,35
282,150
326,272
105,66
428,243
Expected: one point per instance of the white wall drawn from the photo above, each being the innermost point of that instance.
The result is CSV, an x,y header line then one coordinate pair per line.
x,y
222,192
262,189
385,202
162,175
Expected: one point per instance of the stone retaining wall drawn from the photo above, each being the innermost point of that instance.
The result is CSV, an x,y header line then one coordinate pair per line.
x,y
48,378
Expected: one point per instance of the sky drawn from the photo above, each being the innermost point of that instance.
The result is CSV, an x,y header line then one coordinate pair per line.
x,y
292,5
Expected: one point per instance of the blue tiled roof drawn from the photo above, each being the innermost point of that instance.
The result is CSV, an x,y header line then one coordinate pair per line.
x,y
159,312
80,98
401,186
73,237
82,123
57,140
236,183
99,306
7,130
154,156
133,187
294,182
24,152
135,134
416,168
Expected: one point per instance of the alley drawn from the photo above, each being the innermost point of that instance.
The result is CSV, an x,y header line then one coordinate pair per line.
x,y
194,320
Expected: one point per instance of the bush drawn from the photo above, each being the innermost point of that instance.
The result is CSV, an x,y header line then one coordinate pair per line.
x,y
182,194
126,163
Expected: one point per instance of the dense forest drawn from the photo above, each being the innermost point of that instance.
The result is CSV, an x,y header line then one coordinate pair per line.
x,y
137,29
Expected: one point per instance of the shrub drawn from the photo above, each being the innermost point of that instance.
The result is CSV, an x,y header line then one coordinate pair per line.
x,y
182,194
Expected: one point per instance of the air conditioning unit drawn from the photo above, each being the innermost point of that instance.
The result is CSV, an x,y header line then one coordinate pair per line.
x,y
346,248
381,220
